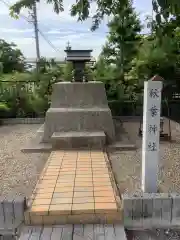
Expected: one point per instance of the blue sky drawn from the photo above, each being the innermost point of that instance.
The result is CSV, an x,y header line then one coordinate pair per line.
x,y
58,29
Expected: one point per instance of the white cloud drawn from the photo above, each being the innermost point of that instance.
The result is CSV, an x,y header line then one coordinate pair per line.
x,y
57,28
15,30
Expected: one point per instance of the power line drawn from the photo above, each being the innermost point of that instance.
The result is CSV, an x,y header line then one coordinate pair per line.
x,y
31,22
47,40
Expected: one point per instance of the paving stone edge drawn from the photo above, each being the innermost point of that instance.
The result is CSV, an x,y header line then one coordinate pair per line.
x,y
151,210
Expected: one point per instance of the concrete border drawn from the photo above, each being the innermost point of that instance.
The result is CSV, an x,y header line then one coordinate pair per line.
x,y
11,215
41,120
151,210
22,121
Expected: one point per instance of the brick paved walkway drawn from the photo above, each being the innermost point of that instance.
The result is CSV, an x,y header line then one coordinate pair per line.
x,y
75,186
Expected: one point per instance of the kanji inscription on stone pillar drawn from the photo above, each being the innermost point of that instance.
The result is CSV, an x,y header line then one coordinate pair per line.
x,y
151,133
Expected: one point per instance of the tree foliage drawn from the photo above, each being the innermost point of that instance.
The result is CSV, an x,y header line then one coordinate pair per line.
x,y
81,8
11,58
123,38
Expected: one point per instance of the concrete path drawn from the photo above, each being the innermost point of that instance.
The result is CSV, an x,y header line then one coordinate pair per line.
x,y
74,187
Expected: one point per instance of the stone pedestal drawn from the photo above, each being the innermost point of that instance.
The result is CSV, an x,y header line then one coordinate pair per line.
x,y
80,110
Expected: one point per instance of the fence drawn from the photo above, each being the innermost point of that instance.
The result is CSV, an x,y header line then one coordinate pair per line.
x,y
23,101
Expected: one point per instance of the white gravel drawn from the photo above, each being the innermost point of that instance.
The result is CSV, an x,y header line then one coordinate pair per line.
x,y
127,164
18,171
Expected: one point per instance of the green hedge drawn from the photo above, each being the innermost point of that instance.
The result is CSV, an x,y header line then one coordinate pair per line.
x,y
132,108
125,108
118,108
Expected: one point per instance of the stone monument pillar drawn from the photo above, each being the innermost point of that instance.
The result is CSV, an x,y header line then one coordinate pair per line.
x,y
151,134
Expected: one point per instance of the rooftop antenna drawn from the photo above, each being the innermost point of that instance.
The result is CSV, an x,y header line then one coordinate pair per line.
x,y
68,47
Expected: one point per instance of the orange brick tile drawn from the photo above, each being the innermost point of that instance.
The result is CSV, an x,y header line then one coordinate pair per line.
x,y
105,200
85,166
67,173
63,189
63,195
41,201
65,180
82,175
105,207
98,166
67,176
59,209
100,179
83,189
78,172
82,208
68,165
97,174
68,169
44,195
83,194
81,169
102,188
45,190
104,194
52,168
84,158
63,184
83,184
87,179
69,159
100,171
39,210
83,199
61,200
51,174
103,183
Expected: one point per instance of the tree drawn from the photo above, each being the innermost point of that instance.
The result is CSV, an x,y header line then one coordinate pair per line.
x,y
81,8
11,58
159,57
123,38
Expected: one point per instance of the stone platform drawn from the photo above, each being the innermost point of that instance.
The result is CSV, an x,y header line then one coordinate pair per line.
x,y
79,116
75,187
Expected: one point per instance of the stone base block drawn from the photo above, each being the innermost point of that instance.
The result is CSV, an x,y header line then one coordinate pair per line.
x,y
78,139
78,119
78,94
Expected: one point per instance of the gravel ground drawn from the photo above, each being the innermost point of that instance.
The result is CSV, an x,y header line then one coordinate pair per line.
x,y
127,164
18,171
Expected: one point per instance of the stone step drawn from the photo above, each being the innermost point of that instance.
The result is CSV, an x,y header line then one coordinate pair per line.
x,y
73,139
82,119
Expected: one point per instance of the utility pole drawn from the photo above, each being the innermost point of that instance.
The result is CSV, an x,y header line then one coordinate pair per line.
x,y
35,22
